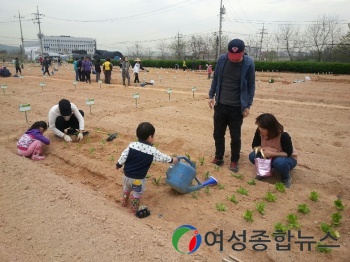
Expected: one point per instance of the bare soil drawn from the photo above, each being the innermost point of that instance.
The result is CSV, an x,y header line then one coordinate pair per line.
x,y
67,207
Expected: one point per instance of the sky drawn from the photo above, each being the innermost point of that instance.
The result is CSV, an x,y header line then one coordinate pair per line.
x,y
118,24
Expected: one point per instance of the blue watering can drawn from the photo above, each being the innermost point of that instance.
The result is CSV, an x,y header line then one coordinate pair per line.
x,y
181,175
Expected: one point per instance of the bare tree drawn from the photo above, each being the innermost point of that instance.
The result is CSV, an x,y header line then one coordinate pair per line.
x,y
136,51
163,49
288,35
196,46
322,33
177,47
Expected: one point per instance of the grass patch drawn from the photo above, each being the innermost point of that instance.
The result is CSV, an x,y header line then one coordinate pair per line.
x,y
270,197
303,208
248,216
221,207
314,196
242,191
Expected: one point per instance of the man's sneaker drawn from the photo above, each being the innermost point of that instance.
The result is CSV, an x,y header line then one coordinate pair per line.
x,y
287,181
37,157
234,167
217,162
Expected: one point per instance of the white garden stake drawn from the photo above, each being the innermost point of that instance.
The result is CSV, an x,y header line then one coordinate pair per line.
x,y
169,91
136,96
193,90
3,87
100,82
90,102
24,108
21,77
75,84
42,84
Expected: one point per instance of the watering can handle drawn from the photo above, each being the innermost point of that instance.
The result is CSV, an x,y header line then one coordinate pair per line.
x,y
187,160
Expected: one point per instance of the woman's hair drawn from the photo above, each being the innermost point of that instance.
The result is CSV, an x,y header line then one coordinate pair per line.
x,y
39,124
269,122
144,130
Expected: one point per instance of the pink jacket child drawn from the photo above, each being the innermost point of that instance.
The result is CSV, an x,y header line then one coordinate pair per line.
x,y
29,145
210,71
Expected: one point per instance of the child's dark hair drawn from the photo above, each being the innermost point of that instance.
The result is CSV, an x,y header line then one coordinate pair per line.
x,y
269,122
144,130
39,124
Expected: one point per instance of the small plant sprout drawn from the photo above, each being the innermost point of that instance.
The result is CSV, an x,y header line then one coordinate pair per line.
x,y
260,206
156,181
111,158
217,168
248,215
201,160
314,196
195,194
221,186
280,187
336,217
242,191
293,221
270,197
252,182
188,156
322,248
280,228
103,141
91,150
206,175
239,176
328,228
221,207
339,204
302,208
207,190
233,199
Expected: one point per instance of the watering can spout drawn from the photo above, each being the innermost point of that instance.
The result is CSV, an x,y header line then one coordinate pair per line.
x,y
210,182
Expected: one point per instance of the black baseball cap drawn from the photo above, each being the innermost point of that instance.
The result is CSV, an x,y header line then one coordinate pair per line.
x,y
235,49
65,107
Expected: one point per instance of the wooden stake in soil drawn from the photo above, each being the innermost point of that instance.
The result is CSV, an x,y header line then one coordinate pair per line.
x,y
100,82
136,96
90,102
24,108
193,90
3,87
42,84
169,91
75,84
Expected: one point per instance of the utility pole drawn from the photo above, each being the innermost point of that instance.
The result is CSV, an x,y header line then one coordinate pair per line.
x,y
37,20
222,12
20,25
178,45
261,40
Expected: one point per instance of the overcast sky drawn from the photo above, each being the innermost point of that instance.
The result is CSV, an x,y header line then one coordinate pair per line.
x,y
118,24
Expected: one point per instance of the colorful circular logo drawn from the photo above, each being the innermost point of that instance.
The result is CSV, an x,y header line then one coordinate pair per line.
x,y
194,243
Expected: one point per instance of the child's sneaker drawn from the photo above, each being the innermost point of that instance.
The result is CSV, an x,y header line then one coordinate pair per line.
x,y
125,200
37,157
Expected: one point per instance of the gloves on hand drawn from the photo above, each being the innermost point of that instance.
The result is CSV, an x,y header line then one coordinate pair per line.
x,y
67,138
80,136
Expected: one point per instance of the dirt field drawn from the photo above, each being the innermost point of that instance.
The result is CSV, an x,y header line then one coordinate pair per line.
x,y
67,207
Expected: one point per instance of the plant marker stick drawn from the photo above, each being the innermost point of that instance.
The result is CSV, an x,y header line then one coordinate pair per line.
x,y
75,84
100,82
3,87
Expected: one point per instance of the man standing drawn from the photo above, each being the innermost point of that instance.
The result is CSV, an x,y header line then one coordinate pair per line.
x,y
76,69
125,70
65,119
46,65
233,88
107,70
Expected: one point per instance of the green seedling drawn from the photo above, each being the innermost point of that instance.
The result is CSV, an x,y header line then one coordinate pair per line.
x,y
233,199
242,191
339,204
302,208
207,190
188,156
280,228
221,186
206,175
314,196
195,194
91,150
322,248
103,141
260,207
280,187
156,181
270,197
79,145
217,168
221,207
248,215
328,228
293,221
201,160
336,217
252,182
111,158
148,175
239,176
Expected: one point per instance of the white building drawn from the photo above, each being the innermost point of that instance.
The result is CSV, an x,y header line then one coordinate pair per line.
x,y
65,44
